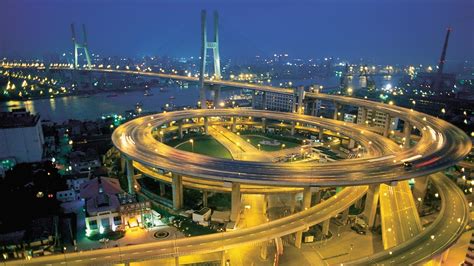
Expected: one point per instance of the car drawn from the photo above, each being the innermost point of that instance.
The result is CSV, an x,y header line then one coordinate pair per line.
x,y
407,165
359,229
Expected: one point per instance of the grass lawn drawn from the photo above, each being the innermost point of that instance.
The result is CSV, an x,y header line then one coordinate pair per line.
x,y
255,140
206,145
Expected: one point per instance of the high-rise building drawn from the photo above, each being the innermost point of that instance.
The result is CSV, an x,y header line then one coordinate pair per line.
x,y
21,136
273,101
377,120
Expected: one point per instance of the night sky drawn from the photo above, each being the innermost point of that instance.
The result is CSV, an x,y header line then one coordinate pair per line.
x,y
382,31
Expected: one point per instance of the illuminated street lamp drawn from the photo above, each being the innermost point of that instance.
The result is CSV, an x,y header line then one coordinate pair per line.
x,y
283,146
161,135
64,252
192,144
258,145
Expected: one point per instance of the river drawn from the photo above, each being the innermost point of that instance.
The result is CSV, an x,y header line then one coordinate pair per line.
x,y
93,107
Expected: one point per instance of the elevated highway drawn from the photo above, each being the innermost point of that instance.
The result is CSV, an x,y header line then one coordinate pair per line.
x,y
216,186
434,239
209,243
400,218
441,145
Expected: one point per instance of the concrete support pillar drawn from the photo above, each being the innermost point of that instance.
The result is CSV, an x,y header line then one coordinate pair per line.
x,y
300,99
336,111
325,227
265,205
314,112
363,116
177,186
419,191
180,129
345,215
130,173
407,134
162,189
294,108
307,107
223,258
217,93
321,133
298,239
206,125
292,203
264,251
236,200
358,203
204,198
351,144
305,206
264,100
306,198
264,125
122,165
316,198
371,202
293,125
388,122
254,103
234,124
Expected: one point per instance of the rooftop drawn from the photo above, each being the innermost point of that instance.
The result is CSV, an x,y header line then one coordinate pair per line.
x,y
98,185
18,118
203,211
101,195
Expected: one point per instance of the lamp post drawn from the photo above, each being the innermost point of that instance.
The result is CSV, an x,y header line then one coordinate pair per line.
x,y
64,252
192,144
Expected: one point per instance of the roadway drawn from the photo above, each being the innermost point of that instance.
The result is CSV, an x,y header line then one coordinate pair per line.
x,y
238,147
209,243
210,185
440,146
466,164
435,238
254,212
400,218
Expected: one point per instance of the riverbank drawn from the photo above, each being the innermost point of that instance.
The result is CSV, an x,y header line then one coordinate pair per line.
x,y
61,109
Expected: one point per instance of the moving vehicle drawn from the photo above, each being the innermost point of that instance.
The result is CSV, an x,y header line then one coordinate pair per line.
x,y
407,165
359,229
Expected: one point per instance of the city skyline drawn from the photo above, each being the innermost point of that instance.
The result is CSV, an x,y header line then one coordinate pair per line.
x,y
368,30
267,133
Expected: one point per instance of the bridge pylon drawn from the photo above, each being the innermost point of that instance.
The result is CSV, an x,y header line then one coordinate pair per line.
x,y
82,46
205,45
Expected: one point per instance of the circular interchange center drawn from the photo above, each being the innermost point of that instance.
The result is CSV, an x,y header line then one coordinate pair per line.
x,y
440,145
